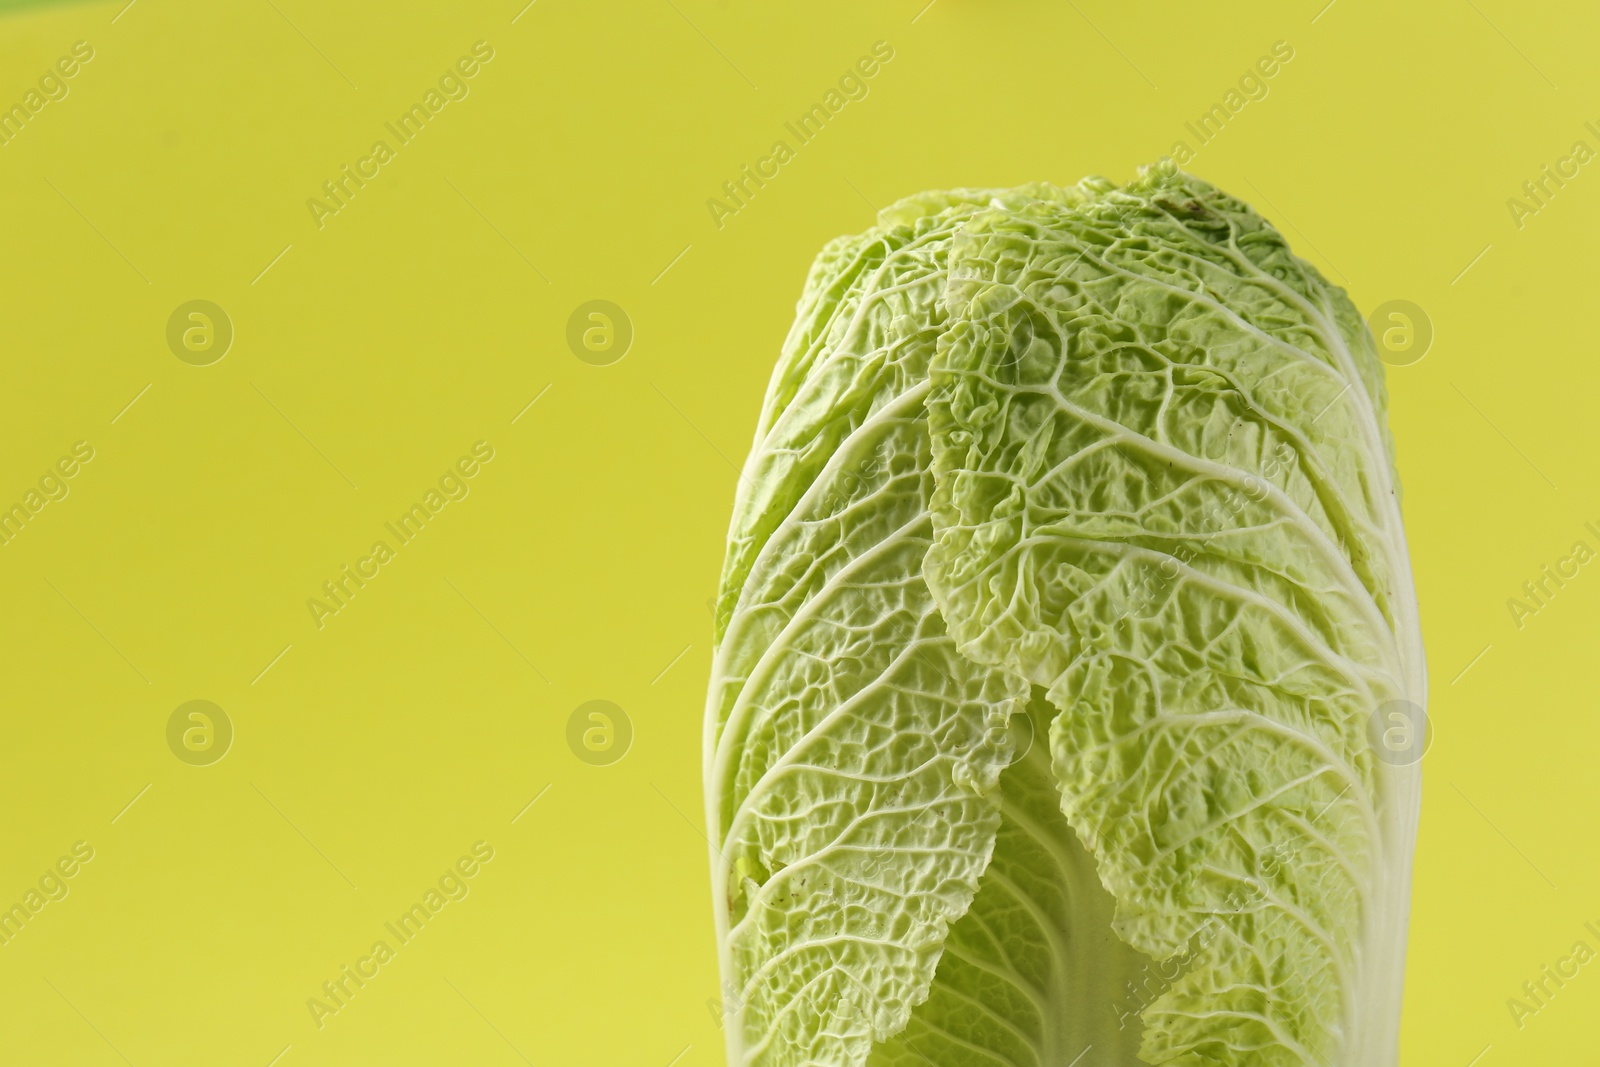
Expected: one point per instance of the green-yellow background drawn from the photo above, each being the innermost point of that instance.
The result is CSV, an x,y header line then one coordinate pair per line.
x,y
427,714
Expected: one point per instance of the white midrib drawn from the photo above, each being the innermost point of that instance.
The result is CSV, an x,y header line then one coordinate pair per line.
x,y
1082,978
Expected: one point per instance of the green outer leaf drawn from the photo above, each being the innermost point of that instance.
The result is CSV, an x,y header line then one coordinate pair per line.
x,y
1164,494
852,754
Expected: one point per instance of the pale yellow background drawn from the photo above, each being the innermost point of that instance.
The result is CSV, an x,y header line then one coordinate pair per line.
x,y
426,715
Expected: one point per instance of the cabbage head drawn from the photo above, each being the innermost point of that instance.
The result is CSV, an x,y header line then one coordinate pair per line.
x,y
1066,706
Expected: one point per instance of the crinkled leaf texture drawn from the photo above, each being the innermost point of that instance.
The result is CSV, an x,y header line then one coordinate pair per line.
x,y
1065,583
